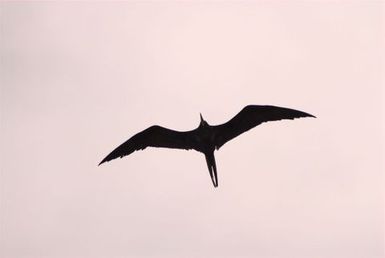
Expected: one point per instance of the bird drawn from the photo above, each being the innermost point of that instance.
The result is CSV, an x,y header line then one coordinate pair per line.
x,y
205,138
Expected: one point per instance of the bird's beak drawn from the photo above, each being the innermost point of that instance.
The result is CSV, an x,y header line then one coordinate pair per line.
x,y
201,117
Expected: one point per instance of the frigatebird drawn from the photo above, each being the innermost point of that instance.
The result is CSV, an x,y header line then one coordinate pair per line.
x,y
205,138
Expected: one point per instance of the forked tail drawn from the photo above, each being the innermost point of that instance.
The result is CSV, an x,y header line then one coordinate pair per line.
x,y
210,159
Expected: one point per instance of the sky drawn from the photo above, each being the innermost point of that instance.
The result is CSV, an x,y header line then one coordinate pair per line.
x,y
78,79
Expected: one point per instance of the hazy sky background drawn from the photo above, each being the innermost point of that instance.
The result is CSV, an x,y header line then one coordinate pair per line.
x,y
77,79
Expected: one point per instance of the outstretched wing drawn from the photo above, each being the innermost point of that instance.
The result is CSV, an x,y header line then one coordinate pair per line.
x,y
154,136
251,116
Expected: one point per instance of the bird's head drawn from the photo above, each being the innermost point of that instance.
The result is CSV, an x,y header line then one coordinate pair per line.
x,y
203,123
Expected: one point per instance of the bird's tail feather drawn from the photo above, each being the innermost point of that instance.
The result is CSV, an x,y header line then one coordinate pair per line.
x,y
210,159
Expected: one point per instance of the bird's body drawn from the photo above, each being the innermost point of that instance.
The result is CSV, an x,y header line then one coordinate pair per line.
x,y
205,138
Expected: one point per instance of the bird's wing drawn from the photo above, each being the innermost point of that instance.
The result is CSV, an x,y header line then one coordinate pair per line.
x,y
154,136
251,116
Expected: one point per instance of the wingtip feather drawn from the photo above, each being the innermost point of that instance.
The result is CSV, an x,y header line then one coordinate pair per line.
x,y
304,114
310,115
103,161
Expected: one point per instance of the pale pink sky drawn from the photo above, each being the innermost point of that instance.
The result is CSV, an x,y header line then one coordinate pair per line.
x,y
77,79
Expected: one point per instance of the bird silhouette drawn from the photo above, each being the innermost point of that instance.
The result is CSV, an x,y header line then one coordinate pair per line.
x,y
205,138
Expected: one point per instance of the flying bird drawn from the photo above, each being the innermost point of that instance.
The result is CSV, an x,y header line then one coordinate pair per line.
x,y
205,138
